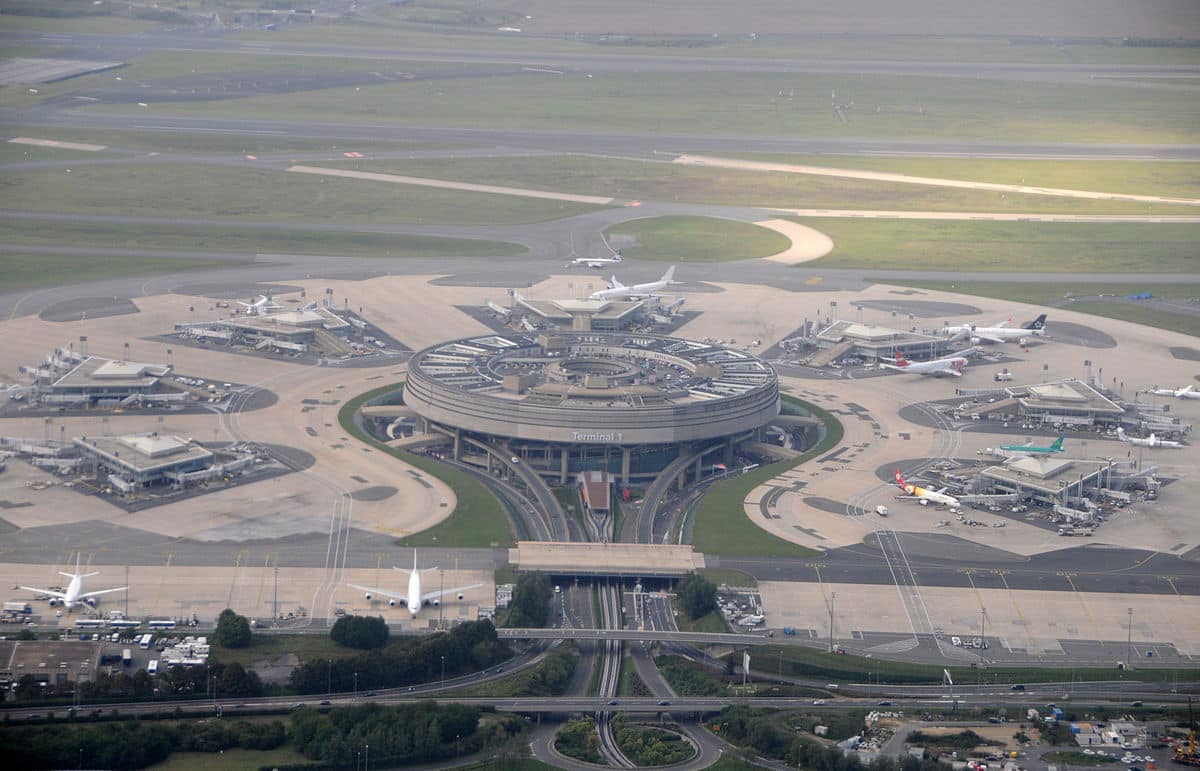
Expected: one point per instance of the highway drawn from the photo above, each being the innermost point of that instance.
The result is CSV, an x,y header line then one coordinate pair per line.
x,y
647,635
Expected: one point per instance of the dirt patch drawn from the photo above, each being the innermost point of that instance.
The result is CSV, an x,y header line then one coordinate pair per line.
x,y
1185,353
376,493
277,669
807,244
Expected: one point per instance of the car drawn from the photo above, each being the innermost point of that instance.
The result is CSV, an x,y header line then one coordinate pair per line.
x,y
370,693
1017,687
298,705
883,704
664,703
1136,704
818,702
515,459
613,703
326,702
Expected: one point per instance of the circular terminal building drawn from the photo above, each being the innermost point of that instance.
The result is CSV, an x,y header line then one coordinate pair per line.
x,y
575,401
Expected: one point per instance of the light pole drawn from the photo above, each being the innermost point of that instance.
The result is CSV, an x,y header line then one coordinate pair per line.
x,y
356,686
329,679
443,670
832,597
1129,641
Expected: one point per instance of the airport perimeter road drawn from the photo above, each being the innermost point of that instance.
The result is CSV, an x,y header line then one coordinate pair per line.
x,y
702,638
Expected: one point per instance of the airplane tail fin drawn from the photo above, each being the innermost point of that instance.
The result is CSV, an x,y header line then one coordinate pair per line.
x,y
1058,443
1038,323
1121,433
899,478
669,276
901,361
616,284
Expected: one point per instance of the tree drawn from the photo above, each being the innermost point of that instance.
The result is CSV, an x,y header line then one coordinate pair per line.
x,y
697,595
233,631
362,632
530,600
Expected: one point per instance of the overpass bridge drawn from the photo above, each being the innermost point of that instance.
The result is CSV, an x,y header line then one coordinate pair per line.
x,y
700,638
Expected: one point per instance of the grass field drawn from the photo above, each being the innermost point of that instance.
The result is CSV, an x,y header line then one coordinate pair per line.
x,y
721,525
1035,247
1054,294
716,102
251,241
31,271
1173,179
697,239
730,577
709,622
662,181
477,519
230,760
304,646
1074,758
199,191
801,661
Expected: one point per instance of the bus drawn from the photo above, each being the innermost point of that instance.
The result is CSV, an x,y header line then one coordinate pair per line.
x,y
145,641
126,657
152,668
161,624
90,623
124,623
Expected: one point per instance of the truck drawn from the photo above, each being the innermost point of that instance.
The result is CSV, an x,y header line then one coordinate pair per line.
x,y
790,631
127,657
18,607
1003,376
881,511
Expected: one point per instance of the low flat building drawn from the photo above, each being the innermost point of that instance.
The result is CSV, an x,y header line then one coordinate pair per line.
x,y
71,379
585,315
140,460
1051,480
595,490
868,341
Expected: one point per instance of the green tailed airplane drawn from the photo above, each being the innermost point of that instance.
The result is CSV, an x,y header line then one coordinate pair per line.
x,y
1034,449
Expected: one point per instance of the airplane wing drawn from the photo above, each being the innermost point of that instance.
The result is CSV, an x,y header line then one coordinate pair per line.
x,y
989,338
435,595
947,371
50,592
382,592
102,591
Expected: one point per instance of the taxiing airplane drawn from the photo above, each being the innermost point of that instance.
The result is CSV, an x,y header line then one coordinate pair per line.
x,y
74,594
619,291
923,494
1149,441
1000,333
414,599
1034,449
261,306
949,366
595,262
1186,392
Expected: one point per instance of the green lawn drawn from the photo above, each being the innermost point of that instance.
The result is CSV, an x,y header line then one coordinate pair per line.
x,y
1055,294
1059,247
250,240
715,102
730,577
661,181
304,646
712,621
721,525
1172,179
478,520
199,191
802,661
1074,758
230,760
30,271
697,239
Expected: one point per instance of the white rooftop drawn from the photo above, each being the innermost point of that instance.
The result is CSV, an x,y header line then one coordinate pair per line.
x,y
1059,392
120,369
154,445
1040,467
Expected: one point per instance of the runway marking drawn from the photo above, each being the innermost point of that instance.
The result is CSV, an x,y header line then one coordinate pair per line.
x,y
1021,616
447,185
1087,612
58,145
234,580
190,129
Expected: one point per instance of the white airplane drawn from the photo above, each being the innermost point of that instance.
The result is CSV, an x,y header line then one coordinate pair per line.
x,y
1186,392
414,599
619,290
74,593
595,262
1001,333
951,365
1150,441
261,306
924,494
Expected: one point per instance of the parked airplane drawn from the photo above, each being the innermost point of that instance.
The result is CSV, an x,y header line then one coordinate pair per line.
x,y
414,599
618,290
595,262
949,366
261,306
1150,441
1000,333
1034,449
922,494
74,593
1186,392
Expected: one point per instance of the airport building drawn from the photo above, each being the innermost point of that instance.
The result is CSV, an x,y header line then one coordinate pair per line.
x,y
1052,481
288,332
135,461
566,403
67,378
1059,403
846,338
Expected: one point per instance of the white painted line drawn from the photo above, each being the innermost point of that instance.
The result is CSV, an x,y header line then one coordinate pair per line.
x,y
56,144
